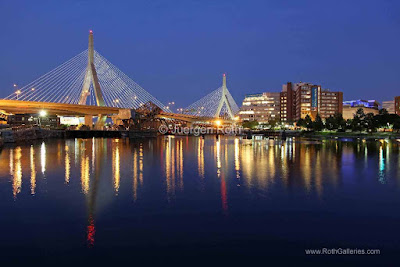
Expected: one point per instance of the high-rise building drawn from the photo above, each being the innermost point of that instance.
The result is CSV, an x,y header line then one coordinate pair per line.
x,y
310,99
294,102
263,107
392,106
288,105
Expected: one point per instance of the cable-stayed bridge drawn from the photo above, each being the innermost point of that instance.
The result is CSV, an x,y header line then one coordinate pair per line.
x,y
89,85
218,103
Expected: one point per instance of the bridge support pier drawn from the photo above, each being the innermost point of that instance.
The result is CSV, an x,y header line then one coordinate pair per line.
x,y
101,120
89,121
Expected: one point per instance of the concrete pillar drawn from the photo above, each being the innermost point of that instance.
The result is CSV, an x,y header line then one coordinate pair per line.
x,y
91,78
89,121
101,121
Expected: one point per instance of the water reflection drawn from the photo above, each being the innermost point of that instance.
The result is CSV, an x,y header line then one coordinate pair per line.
x,y
116,165
382,166
33,170
200,157
17,172
169,167
67,164
43,157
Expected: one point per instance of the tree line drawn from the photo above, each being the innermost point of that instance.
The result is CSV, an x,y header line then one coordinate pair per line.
x,y
360,122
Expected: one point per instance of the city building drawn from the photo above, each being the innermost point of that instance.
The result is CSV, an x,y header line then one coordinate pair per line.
x,y
288,105
304,99
263,108
392,106
350,107
294,102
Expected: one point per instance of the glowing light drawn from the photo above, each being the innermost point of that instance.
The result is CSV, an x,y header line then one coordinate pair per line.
x,y
18,92
43,157
33,171
218,122
33,89
85,174
116,166
67,165
42,113
17,175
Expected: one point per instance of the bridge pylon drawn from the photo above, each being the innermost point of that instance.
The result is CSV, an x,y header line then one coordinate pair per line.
x,y
224,100
91,78
217,102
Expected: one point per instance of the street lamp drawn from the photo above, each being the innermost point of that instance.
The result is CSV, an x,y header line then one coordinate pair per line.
x,y
42,113
18,92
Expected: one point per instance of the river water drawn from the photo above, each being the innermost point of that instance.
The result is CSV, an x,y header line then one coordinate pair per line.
x,y
195,201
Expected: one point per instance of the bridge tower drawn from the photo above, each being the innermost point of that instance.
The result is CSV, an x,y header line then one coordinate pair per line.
x,y
91,78
224,100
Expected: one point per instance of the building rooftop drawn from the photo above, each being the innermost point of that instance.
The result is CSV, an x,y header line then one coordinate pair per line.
x,y
362,103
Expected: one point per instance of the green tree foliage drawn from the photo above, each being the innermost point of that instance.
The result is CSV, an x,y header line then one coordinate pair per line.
x,y
396,124
300,123
250,124
370,122
318,125
360,122
357,124
340,123
308,123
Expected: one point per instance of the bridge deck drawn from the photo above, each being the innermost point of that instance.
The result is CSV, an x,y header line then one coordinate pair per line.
x,y
18,106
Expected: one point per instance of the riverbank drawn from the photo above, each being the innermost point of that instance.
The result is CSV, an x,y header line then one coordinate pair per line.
x,y
321,135
352,135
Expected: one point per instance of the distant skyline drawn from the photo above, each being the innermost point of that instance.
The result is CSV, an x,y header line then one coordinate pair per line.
x,y
178,50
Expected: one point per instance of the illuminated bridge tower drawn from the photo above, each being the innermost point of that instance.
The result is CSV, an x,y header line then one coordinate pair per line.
x,y
218,103
224,100
92,79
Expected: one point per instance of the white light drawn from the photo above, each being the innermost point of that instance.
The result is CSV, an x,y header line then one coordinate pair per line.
x,y
42,113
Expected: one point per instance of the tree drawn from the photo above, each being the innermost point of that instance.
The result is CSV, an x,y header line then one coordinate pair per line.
x,y
384,118
339,122
357,124
250,124
383,111
272,123
349,123
308,122
300,123
330,123
318,125
370,122
396,124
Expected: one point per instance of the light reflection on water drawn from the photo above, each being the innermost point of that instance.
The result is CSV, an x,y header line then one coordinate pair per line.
x,y
172,169
257,164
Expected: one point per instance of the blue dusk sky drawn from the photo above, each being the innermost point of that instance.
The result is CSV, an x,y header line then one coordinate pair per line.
x,y
178,50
